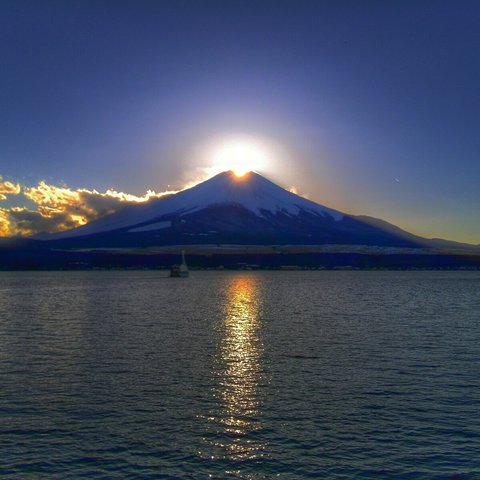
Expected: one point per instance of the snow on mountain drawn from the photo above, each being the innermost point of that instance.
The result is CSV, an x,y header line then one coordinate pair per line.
x,y
252,192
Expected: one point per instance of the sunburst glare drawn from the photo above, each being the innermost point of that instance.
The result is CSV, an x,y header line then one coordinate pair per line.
x,y
240,157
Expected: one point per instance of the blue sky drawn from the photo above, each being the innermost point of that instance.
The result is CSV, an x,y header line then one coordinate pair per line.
x,y
369,107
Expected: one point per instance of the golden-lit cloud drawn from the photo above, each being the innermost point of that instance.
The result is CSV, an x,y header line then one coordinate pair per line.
x,y
60,208
4,223
8,188
294,189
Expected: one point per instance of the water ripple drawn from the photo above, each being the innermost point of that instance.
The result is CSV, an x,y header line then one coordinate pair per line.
x,y
252,375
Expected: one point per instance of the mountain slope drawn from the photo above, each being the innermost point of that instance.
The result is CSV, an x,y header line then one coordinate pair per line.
x,y
225,209
252,192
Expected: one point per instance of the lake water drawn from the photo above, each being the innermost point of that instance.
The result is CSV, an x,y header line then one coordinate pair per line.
x,y
249,375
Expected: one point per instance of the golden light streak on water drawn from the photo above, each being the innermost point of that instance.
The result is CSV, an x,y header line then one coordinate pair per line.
x,y
239,372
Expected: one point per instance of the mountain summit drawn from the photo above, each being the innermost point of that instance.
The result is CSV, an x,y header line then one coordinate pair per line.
x,y
226,209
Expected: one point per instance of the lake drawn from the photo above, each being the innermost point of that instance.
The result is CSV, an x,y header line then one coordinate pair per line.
x,y
248,375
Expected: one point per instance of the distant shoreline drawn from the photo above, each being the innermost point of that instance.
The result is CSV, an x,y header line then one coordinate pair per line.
x,y
285,258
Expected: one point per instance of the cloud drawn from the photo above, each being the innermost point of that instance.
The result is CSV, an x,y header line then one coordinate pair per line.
x,y
23,221
294,189
4,223
61,208
8,188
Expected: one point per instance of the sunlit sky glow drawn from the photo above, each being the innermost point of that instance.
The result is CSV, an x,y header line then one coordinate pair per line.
x,y
368,107
239,157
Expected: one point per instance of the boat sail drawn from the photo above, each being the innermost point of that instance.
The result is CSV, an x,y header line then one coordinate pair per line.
x,y
180,271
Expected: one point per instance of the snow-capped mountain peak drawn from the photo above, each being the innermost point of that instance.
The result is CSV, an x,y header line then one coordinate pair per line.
x,y
252,192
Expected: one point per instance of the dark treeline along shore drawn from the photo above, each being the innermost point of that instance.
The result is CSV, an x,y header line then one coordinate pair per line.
x,y
31,255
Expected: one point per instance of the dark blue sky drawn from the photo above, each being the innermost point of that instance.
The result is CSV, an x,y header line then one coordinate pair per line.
x,y
369,106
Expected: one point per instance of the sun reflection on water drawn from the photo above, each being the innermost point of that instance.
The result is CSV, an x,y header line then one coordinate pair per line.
x,y
239,373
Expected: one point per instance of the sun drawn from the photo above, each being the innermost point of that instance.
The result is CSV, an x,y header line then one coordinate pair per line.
x,y
239,157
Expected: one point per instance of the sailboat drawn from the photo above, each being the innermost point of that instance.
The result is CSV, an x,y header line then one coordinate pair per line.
x,y
180,271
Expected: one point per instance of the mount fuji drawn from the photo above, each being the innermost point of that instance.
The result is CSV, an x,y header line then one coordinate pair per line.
x,y
231,210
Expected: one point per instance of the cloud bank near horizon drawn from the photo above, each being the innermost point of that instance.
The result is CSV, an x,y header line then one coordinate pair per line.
x,y
56,208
